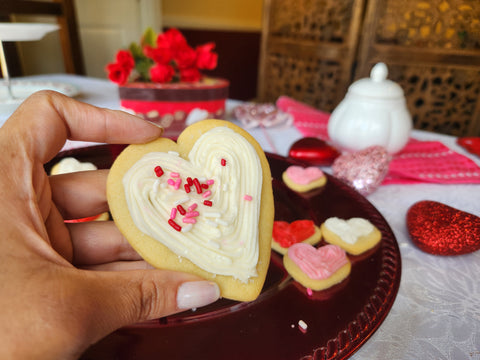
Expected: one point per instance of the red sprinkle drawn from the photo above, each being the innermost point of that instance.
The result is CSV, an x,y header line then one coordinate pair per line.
x,y
223,162
158,171
187,188
181,209
173,224
205,186
197,186
189,181
207,203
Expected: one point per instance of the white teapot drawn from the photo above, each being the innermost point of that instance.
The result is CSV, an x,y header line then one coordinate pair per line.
x,y
373,112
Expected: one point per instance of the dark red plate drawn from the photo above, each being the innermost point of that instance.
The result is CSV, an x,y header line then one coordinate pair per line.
x,y
339,319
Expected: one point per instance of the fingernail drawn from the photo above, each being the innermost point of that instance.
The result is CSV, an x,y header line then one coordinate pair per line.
x,y
155,124
193,294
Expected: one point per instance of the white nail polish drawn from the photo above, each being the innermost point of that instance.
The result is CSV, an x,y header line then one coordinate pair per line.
x,y
195,294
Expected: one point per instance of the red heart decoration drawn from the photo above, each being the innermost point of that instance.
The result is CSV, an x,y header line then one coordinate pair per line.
x,y
471,144
287,234
439,229
314,151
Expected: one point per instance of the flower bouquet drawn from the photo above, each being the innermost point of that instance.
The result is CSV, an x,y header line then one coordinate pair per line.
x,y
160,79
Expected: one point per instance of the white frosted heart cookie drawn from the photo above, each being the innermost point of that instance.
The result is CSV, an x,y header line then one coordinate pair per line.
x,y
302,179
202,205
355,235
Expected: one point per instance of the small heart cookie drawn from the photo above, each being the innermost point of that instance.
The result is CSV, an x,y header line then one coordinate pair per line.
x,y
286,234
440,229
317,268
355,235
302,179
202,205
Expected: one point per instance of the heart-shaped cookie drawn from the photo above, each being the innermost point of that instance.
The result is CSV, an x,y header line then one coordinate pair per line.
x,y
355,235
286,234
440,229
202,205
317,268
303,179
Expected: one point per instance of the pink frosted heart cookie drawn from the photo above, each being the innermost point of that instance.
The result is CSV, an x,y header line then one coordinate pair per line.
x,y
317,268
302,179
355,235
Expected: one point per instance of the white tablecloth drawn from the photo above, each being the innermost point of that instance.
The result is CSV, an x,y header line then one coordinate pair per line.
x,y
436,314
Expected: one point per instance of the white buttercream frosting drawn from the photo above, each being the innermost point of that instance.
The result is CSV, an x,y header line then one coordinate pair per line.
x,y
349,230
221,238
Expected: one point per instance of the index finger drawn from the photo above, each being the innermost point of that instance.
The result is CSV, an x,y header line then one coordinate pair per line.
x,y
53,118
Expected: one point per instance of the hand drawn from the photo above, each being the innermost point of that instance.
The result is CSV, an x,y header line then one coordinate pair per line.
x,y
58,294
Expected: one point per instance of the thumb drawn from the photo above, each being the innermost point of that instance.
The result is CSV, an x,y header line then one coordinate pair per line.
x,y
125,297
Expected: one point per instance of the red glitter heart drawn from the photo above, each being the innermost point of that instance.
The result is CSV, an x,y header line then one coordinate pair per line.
x,y
471,144
439,229
287,234
314,151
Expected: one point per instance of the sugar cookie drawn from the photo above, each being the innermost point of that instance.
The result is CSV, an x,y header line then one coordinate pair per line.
x,y
286,234
302,179
202,205
317,268
355,235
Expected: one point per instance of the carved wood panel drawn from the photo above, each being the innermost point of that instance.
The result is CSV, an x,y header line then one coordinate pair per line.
x,y
308,49
432,49
313,49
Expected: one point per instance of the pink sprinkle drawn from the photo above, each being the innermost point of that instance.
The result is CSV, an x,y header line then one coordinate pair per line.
x,y
247,198
171,182
223,162
189,220
173,224
191,214
174,174
309,292
192,207
178,183
207,203
207,194
210,182
173,213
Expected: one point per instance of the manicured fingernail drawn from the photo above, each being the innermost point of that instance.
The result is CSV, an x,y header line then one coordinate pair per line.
x,y
155,124
195,294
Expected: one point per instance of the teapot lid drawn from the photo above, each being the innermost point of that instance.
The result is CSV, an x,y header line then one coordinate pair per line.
x,y
377,85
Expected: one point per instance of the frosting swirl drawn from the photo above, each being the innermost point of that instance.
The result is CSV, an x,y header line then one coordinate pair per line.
x,y
205,208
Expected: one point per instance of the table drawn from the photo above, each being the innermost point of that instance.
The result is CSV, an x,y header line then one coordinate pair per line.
x,y
436,314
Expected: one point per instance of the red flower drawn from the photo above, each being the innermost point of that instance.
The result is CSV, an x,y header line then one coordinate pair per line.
x,y
162,58
118,73
190,74
206,58
161,73
185,57
174,38
125,59
161,54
